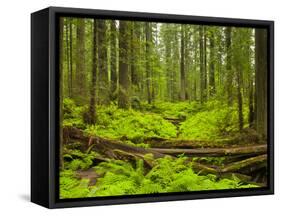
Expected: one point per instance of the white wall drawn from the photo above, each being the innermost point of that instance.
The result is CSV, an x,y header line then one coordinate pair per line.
x,y
15,106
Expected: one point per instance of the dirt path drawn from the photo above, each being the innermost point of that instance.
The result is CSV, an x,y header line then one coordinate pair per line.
x,y
88,174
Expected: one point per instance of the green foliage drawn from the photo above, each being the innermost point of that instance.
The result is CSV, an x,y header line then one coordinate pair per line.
x,y
73,115
76,160
210,121
129,124
179,110
122,178
71,187
215,121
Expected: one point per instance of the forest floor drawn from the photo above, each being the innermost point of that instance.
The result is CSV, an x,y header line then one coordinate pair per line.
x,y
165,147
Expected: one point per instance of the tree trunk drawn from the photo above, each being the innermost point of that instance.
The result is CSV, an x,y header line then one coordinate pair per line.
x,y
202,64
67,39
182,67
117,150
92,107
244,163
261,81
113,59
133,54
229,83
205,92
215,152
147,61
103,91
251,117
80,78
61,90
240,99
70,59
124,77
212,86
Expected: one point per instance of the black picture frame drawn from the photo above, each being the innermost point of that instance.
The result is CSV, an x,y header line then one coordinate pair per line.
x,y
45,106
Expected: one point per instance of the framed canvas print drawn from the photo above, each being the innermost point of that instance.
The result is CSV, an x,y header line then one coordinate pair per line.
x,y
138,107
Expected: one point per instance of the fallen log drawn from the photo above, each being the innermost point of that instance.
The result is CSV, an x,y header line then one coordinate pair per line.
x,y
214,152
156,142
114,149
107,146
256,168
253,161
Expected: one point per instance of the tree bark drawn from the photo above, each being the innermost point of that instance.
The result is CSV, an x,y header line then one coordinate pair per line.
x,y
70,58
103,90
261,81
124,77
244,163
61,90
212,85
182,67
202,64
229,83
147,60
80,76
113,60
115,149
214,152
93,99
240,99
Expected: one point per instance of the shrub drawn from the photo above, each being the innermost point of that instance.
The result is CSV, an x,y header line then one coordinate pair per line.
x,y
179,110
71,187
169,175
73,115
214,122
75,159
132,125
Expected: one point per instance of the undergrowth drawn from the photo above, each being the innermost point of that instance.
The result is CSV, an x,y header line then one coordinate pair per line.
x,y
123,178
209,121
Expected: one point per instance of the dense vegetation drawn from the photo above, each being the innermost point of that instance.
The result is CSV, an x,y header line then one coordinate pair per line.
x,y
156,108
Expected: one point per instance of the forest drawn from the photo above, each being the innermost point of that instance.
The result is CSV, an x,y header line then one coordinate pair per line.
x,y
149,107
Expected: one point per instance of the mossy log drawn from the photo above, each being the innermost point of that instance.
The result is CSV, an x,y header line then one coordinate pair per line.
x,y
107,146
156,142
114,149
240,165
216,152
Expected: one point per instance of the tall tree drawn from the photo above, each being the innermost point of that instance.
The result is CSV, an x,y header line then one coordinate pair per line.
x,y
250,82
205,90
202,64
133,54
69,39
212,86
147,61
103,93
240,98
124,78
261,81
183,93
229,75
93,96
113,60
61,90
80,78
